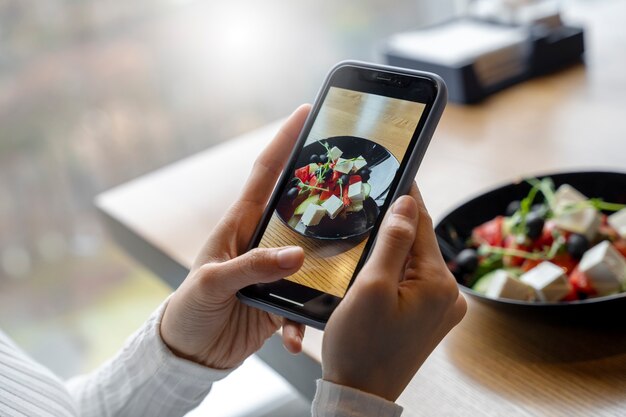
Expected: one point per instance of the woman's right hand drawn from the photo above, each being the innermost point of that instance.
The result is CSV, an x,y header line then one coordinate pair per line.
x,y
401,305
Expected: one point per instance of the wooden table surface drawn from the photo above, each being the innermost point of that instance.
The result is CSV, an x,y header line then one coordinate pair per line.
x,y
491,364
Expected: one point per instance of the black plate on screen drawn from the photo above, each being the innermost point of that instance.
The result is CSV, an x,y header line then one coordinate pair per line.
x,y
383,167
457,226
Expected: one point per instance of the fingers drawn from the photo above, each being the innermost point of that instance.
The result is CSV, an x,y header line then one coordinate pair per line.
x,y
260,265
293,333
395,239
459,309
272,160
238,225
425,244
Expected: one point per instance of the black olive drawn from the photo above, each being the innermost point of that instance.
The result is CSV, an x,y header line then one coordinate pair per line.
x,y
293,192
323,158
345,179
364,173
512,208
577,245
314,159
467,260
534,225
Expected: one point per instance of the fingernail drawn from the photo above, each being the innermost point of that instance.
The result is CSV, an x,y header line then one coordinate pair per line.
x,y
404,207
289,257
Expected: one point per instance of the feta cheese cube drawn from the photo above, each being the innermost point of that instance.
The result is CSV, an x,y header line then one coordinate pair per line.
x,y
312,168
548,280
566,194
355,192
605,268
343,165
503,285
335,153
359,162
313,215
333,206
618,222
581,220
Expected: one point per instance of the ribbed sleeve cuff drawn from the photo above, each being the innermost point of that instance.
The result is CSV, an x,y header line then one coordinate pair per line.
x,y
341,401
190,379
144,379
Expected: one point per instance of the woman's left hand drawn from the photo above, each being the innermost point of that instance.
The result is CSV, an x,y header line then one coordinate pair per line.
x,y
204,321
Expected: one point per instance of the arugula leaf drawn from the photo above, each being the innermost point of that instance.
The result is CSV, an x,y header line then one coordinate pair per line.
x,y
519,227
325,145
546,188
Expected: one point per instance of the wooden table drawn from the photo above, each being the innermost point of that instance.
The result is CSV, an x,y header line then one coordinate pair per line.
x,y
491,364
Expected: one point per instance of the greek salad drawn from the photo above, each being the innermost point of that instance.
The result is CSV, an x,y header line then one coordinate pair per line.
x,y
329,186
553,245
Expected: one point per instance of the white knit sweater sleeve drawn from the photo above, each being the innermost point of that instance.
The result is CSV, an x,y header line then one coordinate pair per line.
x,y
332,400
144,379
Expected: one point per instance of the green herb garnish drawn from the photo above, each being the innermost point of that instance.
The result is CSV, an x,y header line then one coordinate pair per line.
x,y
596,203
307,186
496,250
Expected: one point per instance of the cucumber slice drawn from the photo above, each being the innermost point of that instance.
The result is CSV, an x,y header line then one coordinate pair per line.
x,y
367,189
303,206
483,282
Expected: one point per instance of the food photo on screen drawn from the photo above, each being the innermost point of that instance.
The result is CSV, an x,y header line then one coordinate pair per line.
x,y
338,187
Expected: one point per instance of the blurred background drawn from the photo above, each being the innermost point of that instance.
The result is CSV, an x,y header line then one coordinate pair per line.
x,y
95,93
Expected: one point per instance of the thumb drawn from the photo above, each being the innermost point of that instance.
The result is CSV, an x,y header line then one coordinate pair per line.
x,y
395,239
259,265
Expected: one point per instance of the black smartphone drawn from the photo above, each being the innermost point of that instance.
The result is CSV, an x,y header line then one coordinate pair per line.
x,y
358,151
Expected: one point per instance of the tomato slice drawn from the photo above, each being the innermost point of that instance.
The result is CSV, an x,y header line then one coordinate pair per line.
x,y
489,232
336,176
302,173
565,261
354,179
346,199
580,283
325,195
530,264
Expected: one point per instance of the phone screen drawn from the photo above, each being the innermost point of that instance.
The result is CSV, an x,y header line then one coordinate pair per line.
x,y
341,179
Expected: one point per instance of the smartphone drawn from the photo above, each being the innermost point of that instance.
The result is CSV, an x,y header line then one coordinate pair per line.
x,y
358,151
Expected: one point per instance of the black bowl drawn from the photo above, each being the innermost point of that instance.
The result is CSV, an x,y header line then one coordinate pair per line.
x,y
610,186
383,167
